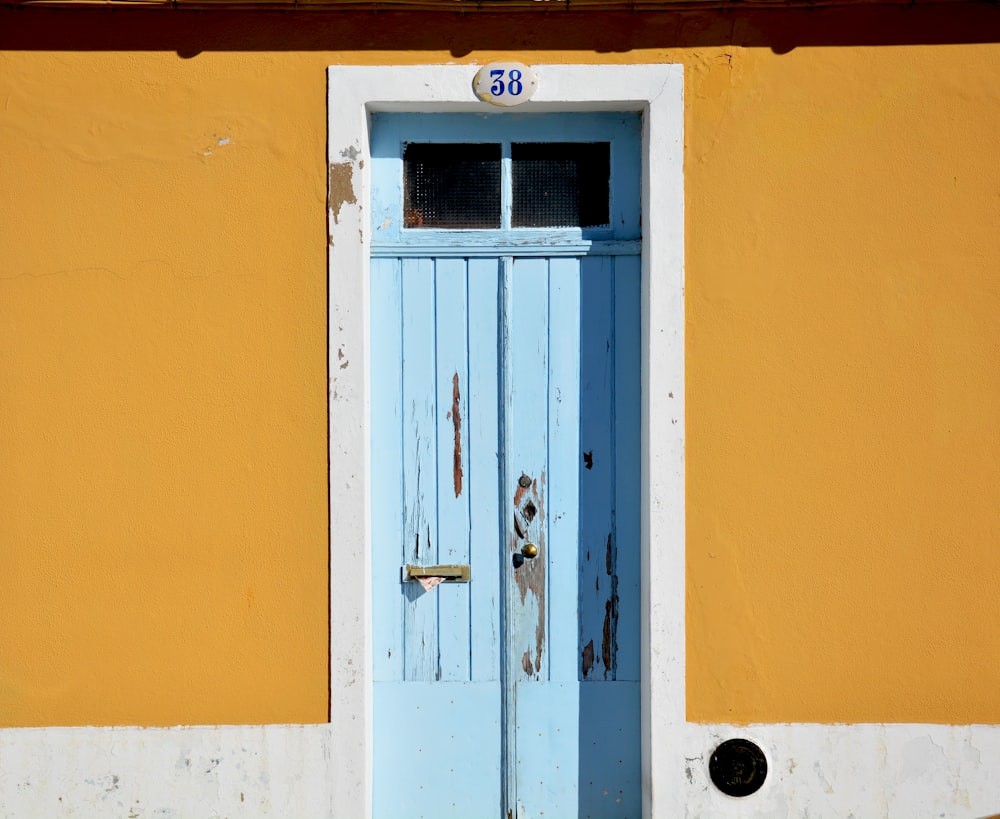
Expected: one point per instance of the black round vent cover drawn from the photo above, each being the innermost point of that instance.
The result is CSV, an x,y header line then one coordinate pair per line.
x,y
738,767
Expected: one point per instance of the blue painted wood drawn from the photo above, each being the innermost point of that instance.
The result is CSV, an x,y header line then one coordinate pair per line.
x,y
597,544
610,771
419,431
436,739
437,751
451,382
386,178
525,415
487,369
527,242
627,436
558,739
482,423
544,708
387,479
547,755
564,413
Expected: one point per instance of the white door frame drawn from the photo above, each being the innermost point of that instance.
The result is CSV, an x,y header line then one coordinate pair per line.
x,y
657,92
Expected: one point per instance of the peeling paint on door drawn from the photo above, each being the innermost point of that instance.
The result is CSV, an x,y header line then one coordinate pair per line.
x,y
609,636
529,574
456,420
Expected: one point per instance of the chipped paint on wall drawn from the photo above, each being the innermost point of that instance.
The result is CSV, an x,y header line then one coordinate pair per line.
x,y
341,187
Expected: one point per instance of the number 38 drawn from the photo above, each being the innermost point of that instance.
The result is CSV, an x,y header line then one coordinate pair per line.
x,y
513,86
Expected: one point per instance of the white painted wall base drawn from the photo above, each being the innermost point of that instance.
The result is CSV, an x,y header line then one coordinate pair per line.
x,y
853,772
153,773
815,771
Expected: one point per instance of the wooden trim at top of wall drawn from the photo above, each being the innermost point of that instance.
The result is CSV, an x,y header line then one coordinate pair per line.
x,y
462,6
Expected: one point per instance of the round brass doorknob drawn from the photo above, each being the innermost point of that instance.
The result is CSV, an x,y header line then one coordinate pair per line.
x,y
529,550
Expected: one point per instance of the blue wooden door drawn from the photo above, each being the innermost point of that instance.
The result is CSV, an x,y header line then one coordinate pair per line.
x,y
505,445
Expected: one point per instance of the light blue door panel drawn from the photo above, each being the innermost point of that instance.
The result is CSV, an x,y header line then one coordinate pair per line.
x,y
505,435
434,466
421,651
453,513
434,486
627,448
482,428
388,604
433,762
610,778
547,749
609,480
564,413
573,349
577,753
525,452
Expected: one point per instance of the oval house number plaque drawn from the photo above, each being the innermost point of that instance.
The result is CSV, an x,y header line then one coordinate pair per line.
x,y
505,84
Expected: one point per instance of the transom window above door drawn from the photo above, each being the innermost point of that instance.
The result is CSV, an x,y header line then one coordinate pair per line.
x,y
462,186
479,183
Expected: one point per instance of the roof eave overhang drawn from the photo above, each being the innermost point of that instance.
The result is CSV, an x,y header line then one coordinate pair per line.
x,y
465,6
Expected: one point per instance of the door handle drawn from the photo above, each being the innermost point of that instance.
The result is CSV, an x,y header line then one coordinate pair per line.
x,y
529,551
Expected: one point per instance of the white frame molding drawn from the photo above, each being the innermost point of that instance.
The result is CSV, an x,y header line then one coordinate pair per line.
x,y
657,92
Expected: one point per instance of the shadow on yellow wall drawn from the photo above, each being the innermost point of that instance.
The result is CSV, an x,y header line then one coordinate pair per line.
x,y
189,33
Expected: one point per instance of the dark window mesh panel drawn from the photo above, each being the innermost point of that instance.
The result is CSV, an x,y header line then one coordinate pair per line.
x,y
451,186
561,184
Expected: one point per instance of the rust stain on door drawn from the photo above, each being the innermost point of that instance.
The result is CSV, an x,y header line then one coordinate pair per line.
x,y
456,420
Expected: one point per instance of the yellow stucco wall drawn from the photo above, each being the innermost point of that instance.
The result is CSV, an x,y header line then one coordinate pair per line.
x,y
163,491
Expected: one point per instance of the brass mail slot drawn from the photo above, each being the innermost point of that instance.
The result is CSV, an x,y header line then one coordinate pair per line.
x,y
452,573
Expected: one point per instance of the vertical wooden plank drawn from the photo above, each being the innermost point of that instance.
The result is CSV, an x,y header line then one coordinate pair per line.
x,y
609,758
387,484
628,489
598,547
483,459
419,432
565,465
546,710
451,328
525,478
508,689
